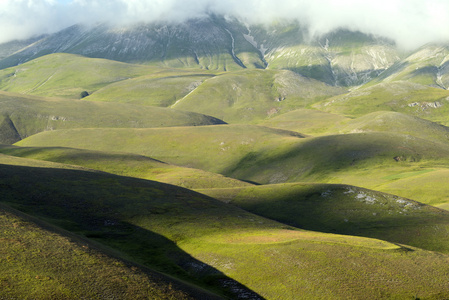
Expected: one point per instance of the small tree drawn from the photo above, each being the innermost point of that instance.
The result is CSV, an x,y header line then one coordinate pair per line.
x,y
84,94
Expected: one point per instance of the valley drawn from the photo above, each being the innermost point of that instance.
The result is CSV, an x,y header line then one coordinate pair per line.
x,y
215,159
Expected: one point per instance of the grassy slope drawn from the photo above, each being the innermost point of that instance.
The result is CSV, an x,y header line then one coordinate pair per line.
x,y
345,210
307,121
428,65
428,185
423,183
22,116
67,75
257,153
41,261
401,96
376,160
190,235
162,88
254,95
381,121
213,149
127,165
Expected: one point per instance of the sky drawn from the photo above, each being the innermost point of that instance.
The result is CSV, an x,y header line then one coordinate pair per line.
x,y
411,23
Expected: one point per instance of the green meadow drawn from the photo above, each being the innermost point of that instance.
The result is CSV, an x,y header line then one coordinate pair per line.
x,y
66,75
22,116
41,261
210,243
126,164
187,180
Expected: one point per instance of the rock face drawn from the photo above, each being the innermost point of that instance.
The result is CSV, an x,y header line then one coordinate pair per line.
x,y
340,58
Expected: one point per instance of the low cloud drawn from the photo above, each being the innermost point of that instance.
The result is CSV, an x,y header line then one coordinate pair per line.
x,y
411,23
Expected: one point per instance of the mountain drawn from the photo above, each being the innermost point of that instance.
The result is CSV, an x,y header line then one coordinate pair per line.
x,y
9,48
217,43
427,65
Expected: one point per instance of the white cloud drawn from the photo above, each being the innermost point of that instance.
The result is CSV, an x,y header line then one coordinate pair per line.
x,y
410,22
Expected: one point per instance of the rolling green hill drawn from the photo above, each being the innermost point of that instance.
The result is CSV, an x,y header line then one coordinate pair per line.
x,y
257,153
398,123
66,75
194,237
375,160
141,190
159,89
254,95
22,116
425,185
308,121
41,261
345,209
213,149
400,96
127,165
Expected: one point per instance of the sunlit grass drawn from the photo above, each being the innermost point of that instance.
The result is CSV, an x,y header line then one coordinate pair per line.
x,y
40,263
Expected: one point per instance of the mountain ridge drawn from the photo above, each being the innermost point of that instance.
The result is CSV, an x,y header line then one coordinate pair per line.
x,y
223,43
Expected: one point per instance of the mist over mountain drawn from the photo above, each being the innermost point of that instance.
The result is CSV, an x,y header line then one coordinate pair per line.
x,y
217,42
410,23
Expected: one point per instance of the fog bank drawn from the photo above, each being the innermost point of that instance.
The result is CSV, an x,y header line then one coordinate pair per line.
x,y
411,23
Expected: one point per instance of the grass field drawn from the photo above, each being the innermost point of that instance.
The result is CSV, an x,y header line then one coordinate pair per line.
x,y
345,209
127,165
197,238
44,262
142,191
158,89
249,96
307,121
400,96
67,75
399,123
213,149
22,116
387,162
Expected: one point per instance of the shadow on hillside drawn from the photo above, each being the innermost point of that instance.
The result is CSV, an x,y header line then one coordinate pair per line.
x,y
394,69
336,76
322,156
98,205
343,209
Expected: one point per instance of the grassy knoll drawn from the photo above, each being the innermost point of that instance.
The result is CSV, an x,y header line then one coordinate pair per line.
x,y
346,210
260,154
307,121
217,245
425,185
22,116
162,88
254,95
327,270
400,96
386,162
40,261
127,165
213,149
67,75
396,122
